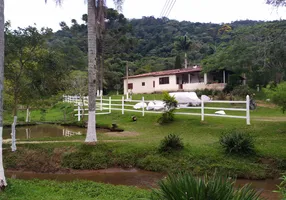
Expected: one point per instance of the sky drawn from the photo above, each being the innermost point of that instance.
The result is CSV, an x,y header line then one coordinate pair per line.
x,y
23,13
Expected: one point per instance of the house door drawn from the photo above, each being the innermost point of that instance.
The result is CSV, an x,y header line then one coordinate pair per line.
x,y
153,84
180,86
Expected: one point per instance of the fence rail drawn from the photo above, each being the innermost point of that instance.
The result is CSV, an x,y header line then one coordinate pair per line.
x,y
105,106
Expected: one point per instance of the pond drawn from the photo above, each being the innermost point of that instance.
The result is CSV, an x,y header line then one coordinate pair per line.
x,y
45,130
135,177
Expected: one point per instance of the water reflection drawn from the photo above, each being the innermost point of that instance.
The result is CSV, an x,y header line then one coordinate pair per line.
x,y
42,131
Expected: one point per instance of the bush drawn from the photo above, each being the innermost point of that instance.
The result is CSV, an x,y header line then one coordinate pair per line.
x,y
166,117
170,105
208,92
236,142
185,187
170,143
242,91
277,94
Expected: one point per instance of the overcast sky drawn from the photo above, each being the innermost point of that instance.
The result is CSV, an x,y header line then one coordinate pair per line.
x,y
27,12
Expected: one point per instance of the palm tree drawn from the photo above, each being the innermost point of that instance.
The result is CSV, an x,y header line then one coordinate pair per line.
x,y
2,176
183,43
95,22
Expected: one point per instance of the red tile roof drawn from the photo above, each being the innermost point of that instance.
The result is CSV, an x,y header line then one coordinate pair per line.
x,y
169,72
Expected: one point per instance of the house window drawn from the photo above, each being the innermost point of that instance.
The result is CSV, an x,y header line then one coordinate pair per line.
x,y
164,80
130,86
143,83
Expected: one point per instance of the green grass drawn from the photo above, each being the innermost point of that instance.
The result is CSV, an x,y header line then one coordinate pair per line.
x,y
83,190
202,152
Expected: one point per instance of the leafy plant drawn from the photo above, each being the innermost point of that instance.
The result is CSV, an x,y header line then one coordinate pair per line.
x,y
166,117
282,187
236,142
170,143
170,104
186,187
242,91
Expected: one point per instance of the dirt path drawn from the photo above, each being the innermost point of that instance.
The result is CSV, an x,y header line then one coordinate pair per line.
x,y
270,119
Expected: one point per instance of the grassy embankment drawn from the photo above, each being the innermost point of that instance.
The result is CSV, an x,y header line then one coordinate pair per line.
x,y
138,147
83,190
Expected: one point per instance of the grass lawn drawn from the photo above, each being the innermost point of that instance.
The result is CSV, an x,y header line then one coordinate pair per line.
x,y
202,153
138,147
83,190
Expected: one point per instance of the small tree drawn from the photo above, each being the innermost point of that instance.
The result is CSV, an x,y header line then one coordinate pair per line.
x,y
170,105
277,94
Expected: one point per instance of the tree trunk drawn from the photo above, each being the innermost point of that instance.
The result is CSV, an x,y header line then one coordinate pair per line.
x,y
3,182
28,114
91,128
13,134
186,61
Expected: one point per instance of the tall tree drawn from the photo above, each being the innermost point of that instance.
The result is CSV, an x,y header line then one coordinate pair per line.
x,y
2,176
95,9
183,43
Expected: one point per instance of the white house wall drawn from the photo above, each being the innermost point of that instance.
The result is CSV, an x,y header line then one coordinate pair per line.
x,y
195,84
148,88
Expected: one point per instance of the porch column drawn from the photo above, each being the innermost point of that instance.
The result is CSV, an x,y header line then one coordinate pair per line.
x,y
205,78
223,76
189,78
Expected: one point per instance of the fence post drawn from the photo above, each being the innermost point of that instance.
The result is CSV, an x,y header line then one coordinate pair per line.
x,y
202,110
143,103
78,112
247,110
122,103
109,104
100,103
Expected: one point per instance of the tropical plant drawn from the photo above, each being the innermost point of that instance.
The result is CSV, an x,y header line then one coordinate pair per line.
x,y
170,105
185,186
170,143
2,176
237,142
282,187
183,43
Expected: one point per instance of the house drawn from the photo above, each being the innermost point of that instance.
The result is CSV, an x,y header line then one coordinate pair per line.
x,y
186,79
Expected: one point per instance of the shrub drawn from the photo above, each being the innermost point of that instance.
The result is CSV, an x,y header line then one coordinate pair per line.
x,y
170,105
171,142
208,92
277,94
236,142
185,187
242,91
166,117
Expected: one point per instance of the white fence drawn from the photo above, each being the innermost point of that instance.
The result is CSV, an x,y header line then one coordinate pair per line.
x,y
105,106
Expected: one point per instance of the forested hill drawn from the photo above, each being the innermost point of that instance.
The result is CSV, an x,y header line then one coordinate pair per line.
x,y
152,44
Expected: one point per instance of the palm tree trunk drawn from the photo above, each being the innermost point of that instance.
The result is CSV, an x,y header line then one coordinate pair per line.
x,y
92,70
186,61
2,175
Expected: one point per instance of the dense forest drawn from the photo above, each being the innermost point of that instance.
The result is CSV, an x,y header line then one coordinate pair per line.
x,y
51,62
